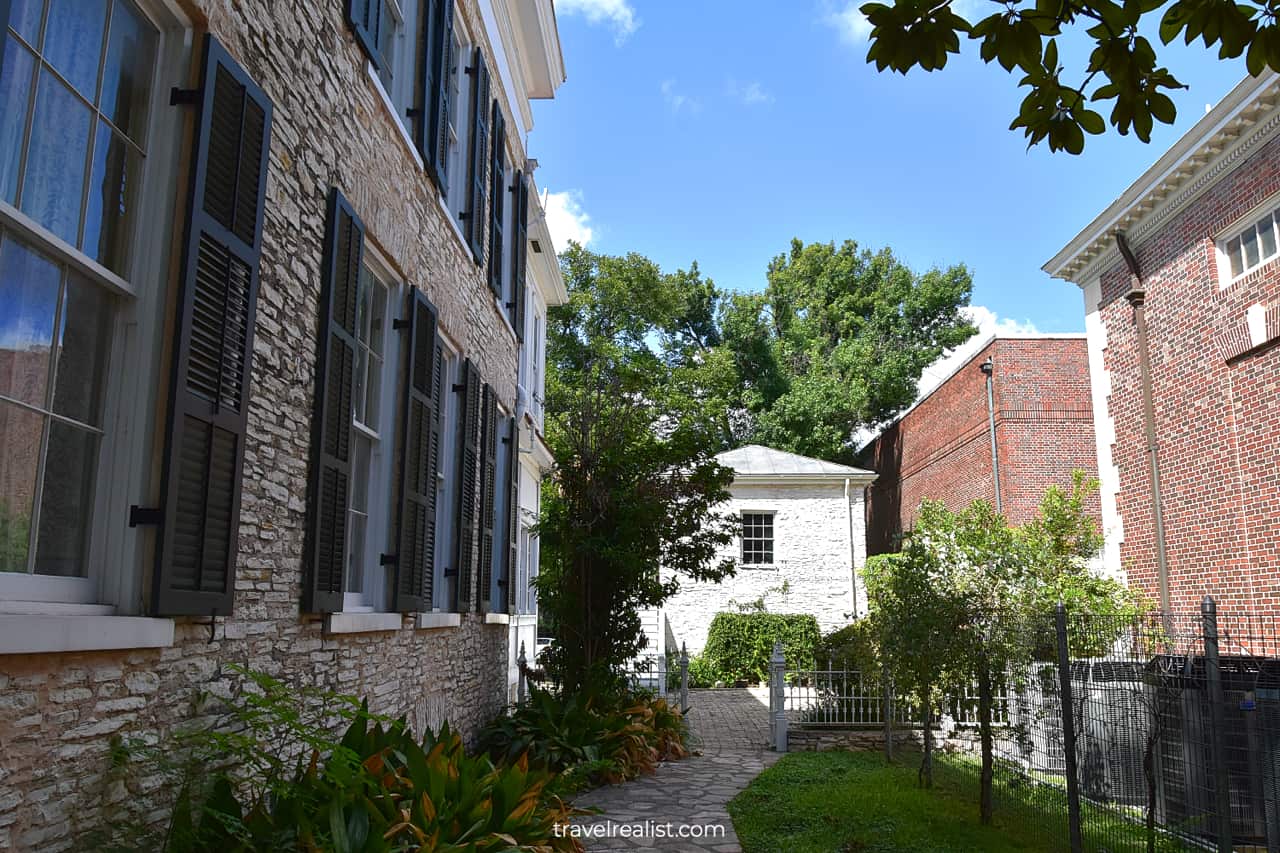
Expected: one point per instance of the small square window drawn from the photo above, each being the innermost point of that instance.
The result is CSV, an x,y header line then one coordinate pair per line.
x,y
757,538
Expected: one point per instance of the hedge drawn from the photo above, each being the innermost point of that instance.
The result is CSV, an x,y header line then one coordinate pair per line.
x,y
739,644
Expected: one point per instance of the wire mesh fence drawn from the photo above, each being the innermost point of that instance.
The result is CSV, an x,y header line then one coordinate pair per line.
x,y
1155,733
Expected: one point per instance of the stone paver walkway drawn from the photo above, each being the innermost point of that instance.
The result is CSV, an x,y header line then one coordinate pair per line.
x,y
730,728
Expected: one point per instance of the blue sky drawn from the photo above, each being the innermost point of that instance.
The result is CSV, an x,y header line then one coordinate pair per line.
x,y
717,131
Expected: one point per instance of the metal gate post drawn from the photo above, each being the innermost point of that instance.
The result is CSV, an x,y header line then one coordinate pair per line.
x,y
1068,729
1217,723
522,664
684,677
777,697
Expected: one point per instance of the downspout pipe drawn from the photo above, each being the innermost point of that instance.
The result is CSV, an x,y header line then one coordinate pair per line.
x,y
853,552
1137,298
988,368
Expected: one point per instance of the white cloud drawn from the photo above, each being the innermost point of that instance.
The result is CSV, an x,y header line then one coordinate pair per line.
x,y
678,100
566,220
750,94
851,25
988,323
617,13
854,29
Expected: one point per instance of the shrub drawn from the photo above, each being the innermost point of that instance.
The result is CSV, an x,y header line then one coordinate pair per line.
x,y
592,740
739,645
704,673
375,789
854,646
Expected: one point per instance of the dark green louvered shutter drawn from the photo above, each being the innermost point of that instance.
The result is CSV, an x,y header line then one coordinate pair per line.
x,y
424,381
330,487
488,495
441,59
519,253
468,492
506,584
213,343
497,182
421,114
366,19
474,217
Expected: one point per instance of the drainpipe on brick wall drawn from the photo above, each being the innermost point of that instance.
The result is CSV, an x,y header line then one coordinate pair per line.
x,y
1137,297
988,368
853,552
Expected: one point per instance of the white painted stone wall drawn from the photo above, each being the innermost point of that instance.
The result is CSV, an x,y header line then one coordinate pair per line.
x,y
816,550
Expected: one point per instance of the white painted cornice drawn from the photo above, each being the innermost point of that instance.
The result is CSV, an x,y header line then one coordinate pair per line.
x,y
1228,133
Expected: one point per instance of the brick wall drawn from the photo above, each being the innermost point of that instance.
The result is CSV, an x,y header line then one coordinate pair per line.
x,y
1217,422
941,449
57,712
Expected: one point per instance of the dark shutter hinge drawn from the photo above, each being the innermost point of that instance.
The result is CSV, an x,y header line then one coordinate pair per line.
x,y
501,582
145,516
413,112
470,69
459,387
183,97
398,325
388,559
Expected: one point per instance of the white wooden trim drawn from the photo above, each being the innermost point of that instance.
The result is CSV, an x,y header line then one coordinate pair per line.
x,y
497,619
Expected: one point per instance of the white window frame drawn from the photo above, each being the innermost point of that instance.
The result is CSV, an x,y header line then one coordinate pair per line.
x,y
1238,231
460,119
114,576
742,538
376,595
443,586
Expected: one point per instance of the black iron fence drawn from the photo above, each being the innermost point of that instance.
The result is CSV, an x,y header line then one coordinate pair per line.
x,y
1156,733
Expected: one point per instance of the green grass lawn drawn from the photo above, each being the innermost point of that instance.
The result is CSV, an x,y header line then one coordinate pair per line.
x,y
841,802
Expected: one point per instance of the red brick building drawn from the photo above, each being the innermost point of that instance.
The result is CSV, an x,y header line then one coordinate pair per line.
x,y
1189,251
941,448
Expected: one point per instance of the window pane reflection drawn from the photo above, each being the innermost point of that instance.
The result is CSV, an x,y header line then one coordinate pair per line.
x,y
73,42
113,196
126,77
66,503
20,434
28,304
15,86
55,159
82,352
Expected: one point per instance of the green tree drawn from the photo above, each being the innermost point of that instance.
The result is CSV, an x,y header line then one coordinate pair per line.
x,y
636,483
838,341
1122,70
967,598
916,616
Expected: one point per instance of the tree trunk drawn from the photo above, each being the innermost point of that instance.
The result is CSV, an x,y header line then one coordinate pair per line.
x,y
925,776
984,727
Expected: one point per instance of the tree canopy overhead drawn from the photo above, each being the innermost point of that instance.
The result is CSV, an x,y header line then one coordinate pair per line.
x,y
1122,74
837,342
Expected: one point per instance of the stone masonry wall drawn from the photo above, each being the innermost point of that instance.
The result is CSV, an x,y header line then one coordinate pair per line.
x,y
1217,421
811,550
58,712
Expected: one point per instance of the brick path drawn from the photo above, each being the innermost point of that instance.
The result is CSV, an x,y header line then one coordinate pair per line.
x,y
730,727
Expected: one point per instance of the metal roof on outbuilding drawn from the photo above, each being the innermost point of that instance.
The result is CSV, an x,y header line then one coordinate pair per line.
x,y
754,460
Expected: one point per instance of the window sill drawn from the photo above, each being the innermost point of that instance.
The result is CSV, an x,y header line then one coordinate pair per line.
x,y
403,132
362,623
438,620
497,619
57,631
455,228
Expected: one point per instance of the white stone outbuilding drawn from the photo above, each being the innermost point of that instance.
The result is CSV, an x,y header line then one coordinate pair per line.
x,y
800,548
